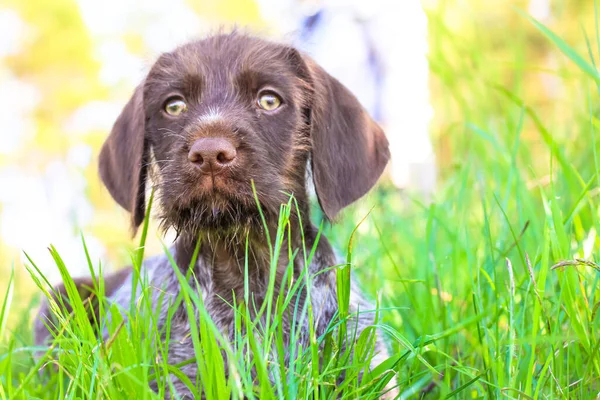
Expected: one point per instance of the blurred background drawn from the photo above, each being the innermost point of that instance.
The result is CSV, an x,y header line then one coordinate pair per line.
x,y
430,72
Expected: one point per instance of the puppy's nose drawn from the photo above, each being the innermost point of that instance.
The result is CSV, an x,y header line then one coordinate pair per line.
x,y
211,155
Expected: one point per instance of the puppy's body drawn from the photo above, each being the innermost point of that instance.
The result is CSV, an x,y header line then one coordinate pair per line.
x,y
219,124
216,294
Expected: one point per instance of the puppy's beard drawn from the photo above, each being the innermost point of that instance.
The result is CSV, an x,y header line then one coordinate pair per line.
x,y
211,217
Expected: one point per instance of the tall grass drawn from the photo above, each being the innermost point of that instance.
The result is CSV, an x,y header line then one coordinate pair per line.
x,y
130,356
490,291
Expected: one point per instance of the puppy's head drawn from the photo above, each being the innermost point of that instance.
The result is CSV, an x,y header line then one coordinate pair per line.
x,y
216,115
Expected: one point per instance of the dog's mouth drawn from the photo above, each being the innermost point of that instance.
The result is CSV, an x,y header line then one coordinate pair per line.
x,y
211,209
220,204
212,218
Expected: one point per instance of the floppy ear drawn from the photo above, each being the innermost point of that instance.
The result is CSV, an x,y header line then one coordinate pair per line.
x,y
124,157
349,149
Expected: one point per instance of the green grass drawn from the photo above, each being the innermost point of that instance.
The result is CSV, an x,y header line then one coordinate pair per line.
x,y
490,291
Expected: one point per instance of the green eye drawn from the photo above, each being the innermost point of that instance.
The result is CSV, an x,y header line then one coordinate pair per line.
x,y
175,107
269,101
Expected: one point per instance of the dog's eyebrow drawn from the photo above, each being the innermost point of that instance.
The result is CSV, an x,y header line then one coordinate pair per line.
x,y
194,82
255,79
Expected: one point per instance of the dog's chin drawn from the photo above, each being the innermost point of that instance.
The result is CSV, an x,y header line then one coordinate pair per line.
x,y
216,215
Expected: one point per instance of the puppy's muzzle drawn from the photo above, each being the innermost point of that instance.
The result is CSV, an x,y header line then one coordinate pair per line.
x,y
212,155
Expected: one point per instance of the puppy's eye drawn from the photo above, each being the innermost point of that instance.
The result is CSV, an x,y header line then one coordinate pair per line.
x,y
269,101
175,107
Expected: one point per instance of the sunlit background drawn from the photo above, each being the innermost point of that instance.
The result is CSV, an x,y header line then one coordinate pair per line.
x,y
68,66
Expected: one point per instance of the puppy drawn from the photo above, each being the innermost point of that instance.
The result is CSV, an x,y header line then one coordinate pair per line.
x,y
220,125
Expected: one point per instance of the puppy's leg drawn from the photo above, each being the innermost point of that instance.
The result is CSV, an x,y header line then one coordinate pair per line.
x,y
391,391
45,318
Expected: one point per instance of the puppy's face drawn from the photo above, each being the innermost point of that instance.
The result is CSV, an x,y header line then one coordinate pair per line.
x,y
232,118
222,115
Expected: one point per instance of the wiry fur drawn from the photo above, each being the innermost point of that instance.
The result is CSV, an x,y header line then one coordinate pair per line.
x,y
319,122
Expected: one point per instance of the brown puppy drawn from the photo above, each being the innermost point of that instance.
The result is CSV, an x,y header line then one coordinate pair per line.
x,y
211,119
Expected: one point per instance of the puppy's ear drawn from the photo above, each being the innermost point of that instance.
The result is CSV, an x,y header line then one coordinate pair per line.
x,y
124,158
349,149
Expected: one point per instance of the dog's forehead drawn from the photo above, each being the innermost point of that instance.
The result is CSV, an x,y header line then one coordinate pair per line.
x,y
229,55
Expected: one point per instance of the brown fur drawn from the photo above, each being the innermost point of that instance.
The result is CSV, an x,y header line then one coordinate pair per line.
x,y
320,122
